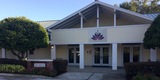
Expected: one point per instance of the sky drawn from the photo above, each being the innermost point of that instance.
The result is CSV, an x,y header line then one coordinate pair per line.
x,y
41,10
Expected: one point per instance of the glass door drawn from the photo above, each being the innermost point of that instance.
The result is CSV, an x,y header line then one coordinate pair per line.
x,y
101,55
77,55
126,54
73,55
131,54
97,55
136,54
105,55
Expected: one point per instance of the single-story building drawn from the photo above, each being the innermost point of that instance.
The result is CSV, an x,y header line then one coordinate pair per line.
x,y
97,35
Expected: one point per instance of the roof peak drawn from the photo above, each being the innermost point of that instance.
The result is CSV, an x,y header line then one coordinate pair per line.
x,y
47,20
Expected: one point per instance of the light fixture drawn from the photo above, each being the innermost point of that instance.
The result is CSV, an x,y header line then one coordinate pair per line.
x,y
52,46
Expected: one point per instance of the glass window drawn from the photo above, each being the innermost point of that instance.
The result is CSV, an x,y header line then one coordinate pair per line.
x,y
136,54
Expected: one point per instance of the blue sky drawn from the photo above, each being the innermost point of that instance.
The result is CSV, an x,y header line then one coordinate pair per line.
x,y
39,10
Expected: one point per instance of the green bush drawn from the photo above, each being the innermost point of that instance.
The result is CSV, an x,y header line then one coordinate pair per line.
x,y
132,69
7,68
42,71
146,77
60,66
13,62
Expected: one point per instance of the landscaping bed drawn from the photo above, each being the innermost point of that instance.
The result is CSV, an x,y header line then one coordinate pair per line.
x,y
20,67
141,70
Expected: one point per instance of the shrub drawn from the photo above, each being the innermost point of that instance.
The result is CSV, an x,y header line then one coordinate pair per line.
x,y
42,71
7,68
60,66
145,77
13,61
132,69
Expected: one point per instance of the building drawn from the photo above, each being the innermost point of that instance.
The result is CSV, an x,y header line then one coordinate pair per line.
x,y
98,35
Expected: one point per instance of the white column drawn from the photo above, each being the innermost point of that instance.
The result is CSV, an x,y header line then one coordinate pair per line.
x,y
81,21
153,55
53,52
114,56
115,18
3,53
81,64
97,16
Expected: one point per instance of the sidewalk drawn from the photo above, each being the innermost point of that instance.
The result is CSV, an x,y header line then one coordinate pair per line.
x,y
92,73
74,73
8,76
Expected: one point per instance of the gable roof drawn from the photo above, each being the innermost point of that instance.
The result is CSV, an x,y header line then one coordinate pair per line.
x,y
90,10
152,15
47,23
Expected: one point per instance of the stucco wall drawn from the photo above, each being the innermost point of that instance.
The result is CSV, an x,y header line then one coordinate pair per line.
x,y
119,34
119,55
10,55
42,53
88,55
126,34
62,52
145,54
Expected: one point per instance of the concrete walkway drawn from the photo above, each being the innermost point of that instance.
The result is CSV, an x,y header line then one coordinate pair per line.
x,y
74,73
8,76
92,73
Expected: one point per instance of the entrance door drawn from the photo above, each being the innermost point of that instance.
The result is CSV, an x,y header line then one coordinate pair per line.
x,y
73,55
101,55
131,54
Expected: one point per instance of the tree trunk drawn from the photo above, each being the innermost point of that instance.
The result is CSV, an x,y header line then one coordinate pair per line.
x,y
17,55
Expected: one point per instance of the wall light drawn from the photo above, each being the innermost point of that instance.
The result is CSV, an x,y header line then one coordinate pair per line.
x,y
52,46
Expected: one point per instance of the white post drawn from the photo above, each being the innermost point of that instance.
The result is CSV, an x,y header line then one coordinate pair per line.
x,y
153,55
114,56
81,65
97,16
3,53
115,18
53,52
81,21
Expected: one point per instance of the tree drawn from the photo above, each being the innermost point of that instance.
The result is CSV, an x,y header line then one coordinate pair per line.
x,y
142,6
152,35
20,35
126,5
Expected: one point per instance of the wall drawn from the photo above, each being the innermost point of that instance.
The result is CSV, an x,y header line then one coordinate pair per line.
x,y
119,34
62,52
42,53
88,55
119,55
10,55
145,54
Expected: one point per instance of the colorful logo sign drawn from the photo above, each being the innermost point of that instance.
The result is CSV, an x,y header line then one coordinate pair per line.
x,y
97,36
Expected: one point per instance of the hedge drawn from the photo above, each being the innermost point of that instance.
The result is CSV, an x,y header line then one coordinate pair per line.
x,y
13,61
132,69
60,66
8,68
